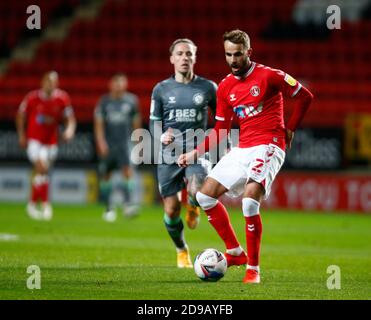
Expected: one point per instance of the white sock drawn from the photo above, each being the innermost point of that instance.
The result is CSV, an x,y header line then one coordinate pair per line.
x,y
235,251
256,268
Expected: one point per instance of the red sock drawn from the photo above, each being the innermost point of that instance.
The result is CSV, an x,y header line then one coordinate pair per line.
x,y
219,219
184,196
254,230
44,191
35,192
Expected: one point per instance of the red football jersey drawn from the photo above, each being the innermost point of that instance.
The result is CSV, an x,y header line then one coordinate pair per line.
x,y
257,102
45,114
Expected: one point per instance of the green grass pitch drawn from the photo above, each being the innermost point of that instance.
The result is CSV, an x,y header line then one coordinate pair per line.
x,y
83,257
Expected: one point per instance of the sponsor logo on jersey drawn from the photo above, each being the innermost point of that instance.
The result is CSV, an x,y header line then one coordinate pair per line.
x,y
44,119
232,97
243,111
171,100
198,99
184,115
255,91
290,80
240,111
116,117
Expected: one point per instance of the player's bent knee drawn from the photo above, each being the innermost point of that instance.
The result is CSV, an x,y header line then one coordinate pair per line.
x,y
194,184
205,201
172,213
172,210
250,207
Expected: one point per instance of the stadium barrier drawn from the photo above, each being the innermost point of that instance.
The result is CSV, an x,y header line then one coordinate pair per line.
x,y
325,192
76,186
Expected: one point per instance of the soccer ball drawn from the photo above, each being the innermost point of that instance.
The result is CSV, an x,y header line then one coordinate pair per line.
x,y
210,265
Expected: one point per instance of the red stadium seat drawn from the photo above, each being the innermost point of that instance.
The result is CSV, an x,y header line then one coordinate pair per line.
x,y
134,36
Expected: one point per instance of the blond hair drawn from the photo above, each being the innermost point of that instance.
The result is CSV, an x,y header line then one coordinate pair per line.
x,y
182,40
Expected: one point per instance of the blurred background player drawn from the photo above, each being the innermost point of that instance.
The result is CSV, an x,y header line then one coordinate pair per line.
x,y
37,121
115,117
181,102
254,93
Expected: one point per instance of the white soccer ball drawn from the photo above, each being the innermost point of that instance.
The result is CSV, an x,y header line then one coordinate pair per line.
x,y
210,265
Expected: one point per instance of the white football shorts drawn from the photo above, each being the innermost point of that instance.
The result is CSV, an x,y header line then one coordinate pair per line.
x,y
260,163
38,151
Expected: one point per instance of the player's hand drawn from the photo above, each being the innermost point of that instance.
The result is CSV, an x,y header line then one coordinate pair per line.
x,y
22,141
289,138
67,135
167,137
102,149
186,159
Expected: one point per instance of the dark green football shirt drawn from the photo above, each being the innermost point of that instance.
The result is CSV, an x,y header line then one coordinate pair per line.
x,y
117,115
183,106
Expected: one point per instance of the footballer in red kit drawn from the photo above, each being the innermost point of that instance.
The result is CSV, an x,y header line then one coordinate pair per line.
x,y
39,116
253,94
256,100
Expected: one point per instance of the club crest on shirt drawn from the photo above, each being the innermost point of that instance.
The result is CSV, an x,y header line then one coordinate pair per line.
x,y
232,97
290,80
255,91
198,99
243,111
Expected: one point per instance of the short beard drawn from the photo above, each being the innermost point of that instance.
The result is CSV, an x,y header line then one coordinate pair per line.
x,y
240,72
243,70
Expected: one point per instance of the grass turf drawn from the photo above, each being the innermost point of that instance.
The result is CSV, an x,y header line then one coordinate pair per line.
x,y
82,257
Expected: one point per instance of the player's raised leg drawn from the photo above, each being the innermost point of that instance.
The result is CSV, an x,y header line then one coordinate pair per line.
x,y
252,197
175,228
218,217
